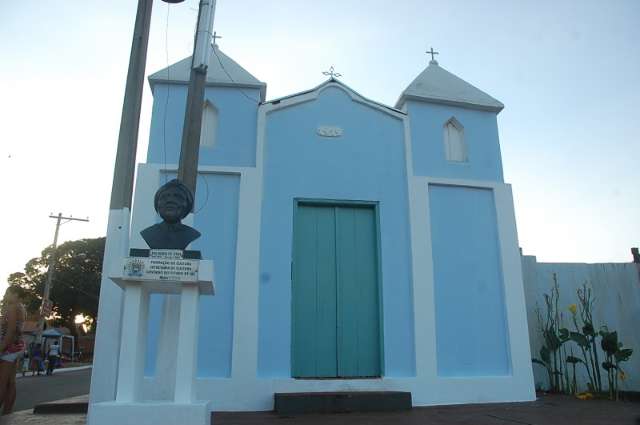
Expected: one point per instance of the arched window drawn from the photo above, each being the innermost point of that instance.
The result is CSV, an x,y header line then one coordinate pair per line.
x,y
209,125
455,148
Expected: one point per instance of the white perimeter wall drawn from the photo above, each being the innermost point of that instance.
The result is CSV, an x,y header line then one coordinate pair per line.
x,y
616,289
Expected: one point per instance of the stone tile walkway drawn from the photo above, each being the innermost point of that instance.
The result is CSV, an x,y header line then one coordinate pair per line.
x,y
547,410
26,417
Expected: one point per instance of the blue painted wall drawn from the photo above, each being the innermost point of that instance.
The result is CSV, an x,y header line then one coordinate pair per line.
x,y
366,163
216,217
427,137
236,135
471,330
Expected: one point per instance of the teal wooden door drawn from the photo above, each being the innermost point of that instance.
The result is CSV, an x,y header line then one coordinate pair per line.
x,y
335,307
314,283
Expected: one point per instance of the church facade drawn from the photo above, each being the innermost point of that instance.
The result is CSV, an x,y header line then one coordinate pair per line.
x,y
357,246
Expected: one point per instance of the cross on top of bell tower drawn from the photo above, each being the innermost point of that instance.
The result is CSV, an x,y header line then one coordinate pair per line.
x,y
432,53
214,37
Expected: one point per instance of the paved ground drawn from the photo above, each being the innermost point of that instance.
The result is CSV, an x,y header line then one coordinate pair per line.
x,y
32,390
27,418
548,410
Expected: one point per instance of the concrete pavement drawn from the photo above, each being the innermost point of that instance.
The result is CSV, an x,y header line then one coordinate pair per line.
x,y
32,390
26,417
547,410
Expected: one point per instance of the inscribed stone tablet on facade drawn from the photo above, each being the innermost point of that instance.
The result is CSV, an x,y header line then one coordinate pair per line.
x,y
329,131
162,264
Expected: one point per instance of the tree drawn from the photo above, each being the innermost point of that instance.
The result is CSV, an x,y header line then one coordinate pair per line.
x,y
76,281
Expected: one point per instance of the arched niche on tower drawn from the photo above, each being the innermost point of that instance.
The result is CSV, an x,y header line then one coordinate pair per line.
x,y
455,146
209,129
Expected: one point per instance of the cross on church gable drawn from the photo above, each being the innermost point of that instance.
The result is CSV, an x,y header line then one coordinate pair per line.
x,y
432,53
331,73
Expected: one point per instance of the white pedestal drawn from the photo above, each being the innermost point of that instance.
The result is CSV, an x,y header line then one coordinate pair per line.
x,y
129,406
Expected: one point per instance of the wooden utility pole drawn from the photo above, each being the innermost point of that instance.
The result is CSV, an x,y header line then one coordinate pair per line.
x,y
125,167
45,309
107,347
105,359
188,167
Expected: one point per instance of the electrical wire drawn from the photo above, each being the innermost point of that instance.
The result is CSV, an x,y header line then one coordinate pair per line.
x,y
166,105
231,78
206,200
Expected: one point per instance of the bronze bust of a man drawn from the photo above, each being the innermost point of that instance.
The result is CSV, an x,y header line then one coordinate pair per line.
x,y
173,202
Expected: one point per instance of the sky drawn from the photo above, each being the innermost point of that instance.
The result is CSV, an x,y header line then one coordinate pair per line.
x,y
568,73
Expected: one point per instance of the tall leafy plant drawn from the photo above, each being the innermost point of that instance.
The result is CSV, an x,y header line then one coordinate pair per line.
x,y
615,355
560,366
553,353
585,336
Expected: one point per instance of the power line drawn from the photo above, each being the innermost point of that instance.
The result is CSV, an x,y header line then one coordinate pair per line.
x,y
231,78
206,200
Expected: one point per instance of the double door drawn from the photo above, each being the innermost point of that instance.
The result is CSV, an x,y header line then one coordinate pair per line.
x,y
335,292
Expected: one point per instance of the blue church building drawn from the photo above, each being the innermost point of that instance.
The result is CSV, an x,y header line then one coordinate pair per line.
x,y
357,246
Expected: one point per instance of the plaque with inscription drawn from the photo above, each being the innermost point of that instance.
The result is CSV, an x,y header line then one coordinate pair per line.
x,y
329,131
162,265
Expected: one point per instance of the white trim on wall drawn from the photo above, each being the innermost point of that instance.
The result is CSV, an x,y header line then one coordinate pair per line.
x,y
520,381
244,359
421,265
245,337
313,94
426,387
516,307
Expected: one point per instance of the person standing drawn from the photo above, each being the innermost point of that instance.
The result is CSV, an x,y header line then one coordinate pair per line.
x,y
25,362
35,356
53,356
12,316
